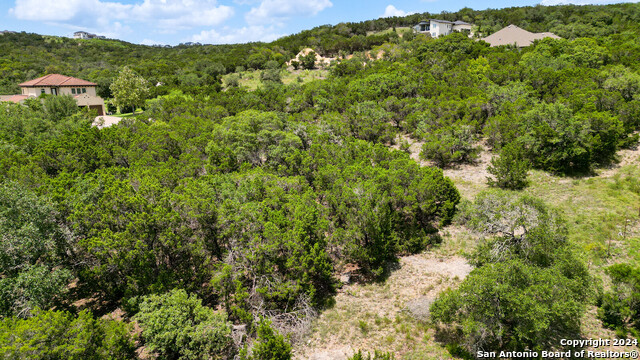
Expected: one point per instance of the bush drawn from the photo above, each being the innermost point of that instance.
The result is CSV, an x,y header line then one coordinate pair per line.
x,y
59,107
512,306
509,169
308,61
31,252
60,335
269,345
620,308
177,326
528,290
453,144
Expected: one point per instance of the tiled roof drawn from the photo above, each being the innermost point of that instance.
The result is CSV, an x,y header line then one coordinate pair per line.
x,y
13,98
57,80
515,35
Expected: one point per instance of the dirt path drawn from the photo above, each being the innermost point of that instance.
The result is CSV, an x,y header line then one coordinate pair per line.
x,y
387,315
104,121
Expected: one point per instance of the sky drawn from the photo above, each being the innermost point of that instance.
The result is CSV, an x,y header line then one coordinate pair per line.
x,y
170,22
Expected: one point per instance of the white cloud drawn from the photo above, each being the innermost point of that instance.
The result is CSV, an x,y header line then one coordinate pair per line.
x,y
274,11
232,35
167,15
391,10
583,2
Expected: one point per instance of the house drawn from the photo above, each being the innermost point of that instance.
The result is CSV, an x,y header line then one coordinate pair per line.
x,y
86,35
55,84
513,35
437,28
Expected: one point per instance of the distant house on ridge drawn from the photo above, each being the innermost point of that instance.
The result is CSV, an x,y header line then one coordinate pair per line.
x,y
84,92
513,35
86,35
437,28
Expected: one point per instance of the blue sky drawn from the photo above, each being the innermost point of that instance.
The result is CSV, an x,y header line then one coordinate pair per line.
x,y
215,21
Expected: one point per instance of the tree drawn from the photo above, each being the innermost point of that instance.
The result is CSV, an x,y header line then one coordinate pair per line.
x,y
452,144
31,252
269,345
528,291
511,306
129,89
309,61
177,326
61,335
58,107
509,168
620,307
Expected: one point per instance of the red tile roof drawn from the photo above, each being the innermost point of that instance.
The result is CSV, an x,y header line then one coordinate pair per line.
x,y
57,80
13,98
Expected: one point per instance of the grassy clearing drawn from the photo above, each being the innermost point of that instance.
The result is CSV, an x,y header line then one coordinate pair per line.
x,y
129,115
400,30
598,209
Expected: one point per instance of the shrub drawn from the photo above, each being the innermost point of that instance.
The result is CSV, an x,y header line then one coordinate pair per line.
x,y
60,335
620,307
269,345
453,144
177,326
528,291
59,107
31,252
308,61
509,169
511,306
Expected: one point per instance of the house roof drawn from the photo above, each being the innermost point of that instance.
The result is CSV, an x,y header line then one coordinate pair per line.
x,y
57,80
13,98
458,22
442,21
514,35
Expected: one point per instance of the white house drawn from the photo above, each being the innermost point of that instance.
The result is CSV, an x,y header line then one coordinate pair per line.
x,y
437,28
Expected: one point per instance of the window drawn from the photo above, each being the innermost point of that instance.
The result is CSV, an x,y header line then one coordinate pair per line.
x,y
41,91
84,90
435,25
73,91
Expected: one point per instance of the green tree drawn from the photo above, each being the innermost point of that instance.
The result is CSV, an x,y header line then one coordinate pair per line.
x,y
452,144
61,335
176,325
33,248
59,107
308,61
129,89
509,169
620,307
269,345
528,291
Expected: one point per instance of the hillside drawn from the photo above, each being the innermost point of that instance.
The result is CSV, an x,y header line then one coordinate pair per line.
x,y
441,199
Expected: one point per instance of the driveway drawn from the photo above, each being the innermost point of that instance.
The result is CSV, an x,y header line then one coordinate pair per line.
x,y
104,121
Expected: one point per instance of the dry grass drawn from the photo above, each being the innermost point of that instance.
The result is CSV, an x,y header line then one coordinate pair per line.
x,y
386,316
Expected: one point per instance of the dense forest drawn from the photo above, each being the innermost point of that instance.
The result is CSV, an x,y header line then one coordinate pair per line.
x,y
219,220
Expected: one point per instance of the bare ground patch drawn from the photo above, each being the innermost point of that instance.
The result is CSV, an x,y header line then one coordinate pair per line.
x,y
386,316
